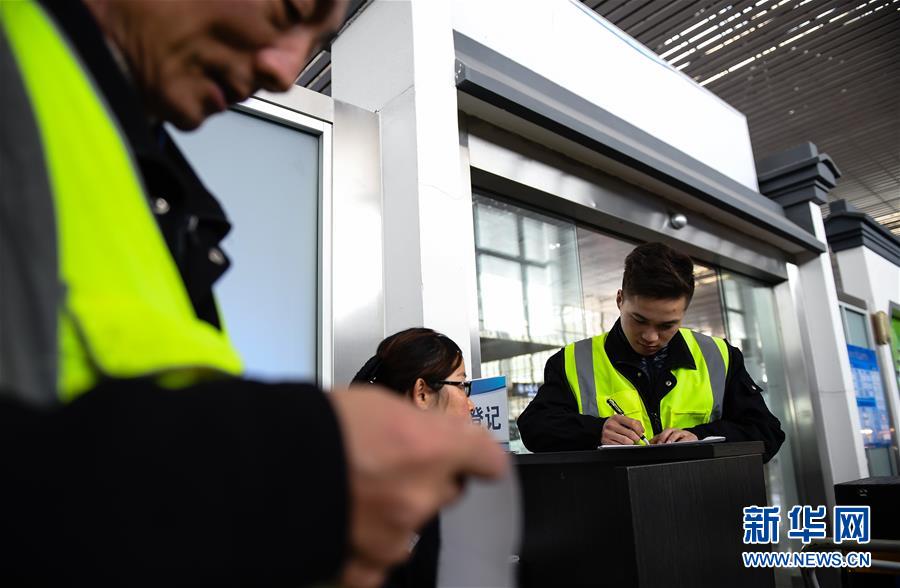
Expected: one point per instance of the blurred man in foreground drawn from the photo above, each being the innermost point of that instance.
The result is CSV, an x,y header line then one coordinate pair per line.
x,y
133,451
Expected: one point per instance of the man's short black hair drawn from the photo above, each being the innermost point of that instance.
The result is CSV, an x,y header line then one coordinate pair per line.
x,y
655,270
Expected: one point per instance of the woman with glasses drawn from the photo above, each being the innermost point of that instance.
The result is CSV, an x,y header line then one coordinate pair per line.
x,y
426,367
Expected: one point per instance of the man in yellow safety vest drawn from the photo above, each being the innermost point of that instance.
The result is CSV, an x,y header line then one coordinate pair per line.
x,y
133,452
670,383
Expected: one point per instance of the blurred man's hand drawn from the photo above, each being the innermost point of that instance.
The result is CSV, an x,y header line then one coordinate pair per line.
x,y
404,464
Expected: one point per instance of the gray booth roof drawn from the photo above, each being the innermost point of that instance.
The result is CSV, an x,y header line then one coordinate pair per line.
x,y
848,228
495,79
823,71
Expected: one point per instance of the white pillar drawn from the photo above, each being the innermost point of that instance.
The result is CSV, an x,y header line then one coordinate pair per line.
x,y
398,59
799,180
837,417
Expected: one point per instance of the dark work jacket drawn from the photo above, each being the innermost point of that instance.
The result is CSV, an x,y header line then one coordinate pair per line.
x,y
224,483
551,422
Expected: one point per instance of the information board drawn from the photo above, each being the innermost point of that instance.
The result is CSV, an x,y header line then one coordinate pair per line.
x,y
491,407
873,412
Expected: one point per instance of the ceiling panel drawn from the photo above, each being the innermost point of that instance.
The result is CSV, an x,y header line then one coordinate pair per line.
x,y
826,71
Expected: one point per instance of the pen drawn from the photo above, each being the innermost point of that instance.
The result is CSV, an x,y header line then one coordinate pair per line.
x,y
612,404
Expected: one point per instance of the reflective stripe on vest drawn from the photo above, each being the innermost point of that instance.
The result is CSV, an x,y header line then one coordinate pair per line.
x,y
695,399
126,311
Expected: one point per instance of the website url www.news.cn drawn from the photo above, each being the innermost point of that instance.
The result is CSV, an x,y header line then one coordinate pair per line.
x,y
812,559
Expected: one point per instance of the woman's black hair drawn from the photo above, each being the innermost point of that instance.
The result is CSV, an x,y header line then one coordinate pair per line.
x,y
404,357
368,372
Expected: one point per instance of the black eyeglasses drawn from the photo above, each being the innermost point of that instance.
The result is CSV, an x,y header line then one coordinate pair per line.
x,y
465,386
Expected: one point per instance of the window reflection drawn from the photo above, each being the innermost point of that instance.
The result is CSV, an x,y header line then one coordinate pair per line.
x,y
502,304
602,262
705,312
528,284
529,295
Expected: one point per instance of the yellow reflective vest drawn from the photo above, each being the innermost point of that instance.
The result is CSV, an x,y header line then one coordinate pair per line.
x,y
695,399
126,312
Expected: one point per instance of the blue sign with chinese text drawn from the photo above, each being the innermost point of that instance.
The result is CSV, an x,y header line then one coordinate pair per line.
x,y
873,412
491,409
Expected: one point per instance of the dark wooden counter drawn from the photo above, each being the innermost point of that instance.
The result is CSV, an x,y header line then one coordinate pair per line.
x,y
640,517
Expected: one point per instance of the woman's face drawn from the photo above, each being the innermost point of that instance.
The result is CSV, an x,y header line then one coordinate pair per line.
x,y
457,401
449,398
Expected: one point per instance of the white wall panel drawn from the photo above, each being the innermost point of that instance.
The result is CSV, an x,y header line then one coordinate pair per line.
x,y
569,44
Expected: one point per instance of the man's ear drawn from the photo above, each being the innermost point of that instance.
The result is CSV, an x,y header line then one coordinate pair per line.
x,y
620,298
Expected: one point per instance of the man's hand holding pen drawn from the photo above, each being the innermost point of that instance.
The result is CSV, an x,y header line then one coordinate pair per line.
x,y
621,430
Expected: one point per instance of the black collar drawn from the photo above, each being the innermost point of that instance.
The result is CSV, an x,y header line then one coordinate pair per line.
x,y
619,350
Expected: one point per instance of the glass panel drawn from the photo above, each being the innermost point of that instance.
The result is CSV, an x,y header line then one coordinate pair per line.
x,y
856,328
542,325
736,328
537,240
753,328
602,260
705,312
496,230
732,295
268,183
500,298
529,296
